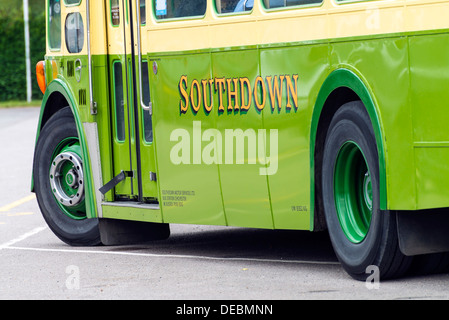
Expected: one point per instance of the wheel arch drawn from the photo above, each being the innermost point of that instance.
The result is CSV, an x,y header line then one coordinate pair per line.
x,y
56,97
341,86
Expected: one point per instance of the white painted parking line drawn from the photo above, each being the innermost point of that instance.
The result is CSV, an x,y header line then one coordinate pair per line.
x,y
172,256
10,245
22,237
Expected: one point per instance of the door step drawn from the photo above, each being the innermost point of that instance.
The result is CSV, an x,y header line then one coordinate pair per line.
x,y
131,204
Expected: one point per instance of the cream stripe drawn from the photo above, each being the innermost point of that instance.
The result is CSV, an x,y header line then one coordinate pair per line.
x,y
328,21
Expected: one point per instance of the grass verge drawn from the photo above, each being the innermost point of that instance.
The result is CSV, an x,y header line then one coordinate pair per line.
x,y
17,104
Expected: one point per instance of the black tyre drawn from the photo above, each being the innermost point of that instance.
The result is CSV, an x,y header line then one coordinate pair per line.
x,y
362,235
59,181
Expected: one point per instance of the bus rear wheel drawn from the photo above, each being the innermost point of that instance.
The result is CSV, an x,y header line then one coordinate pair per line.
x,y
59,181
362,235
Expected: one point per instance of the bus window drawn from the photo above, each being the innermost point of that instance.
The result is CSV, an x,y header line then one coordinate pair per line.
x,y
148,127
228,6
54,24
179,8
119,101
272,4
244,5
74,32
143,16
72,2
115,12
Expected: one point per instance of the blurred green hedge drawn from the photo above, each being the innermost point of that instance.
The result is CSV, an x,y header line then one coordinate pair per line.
x,y
12,53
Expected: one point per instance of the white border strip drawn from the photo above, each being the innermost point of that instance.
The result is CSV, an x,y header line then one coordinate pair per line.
x,y
8,244
172,256
93,146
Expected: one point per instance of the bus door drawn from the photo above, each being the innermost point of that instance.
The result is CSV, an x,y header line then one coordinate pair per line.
x,y
144,110
131,124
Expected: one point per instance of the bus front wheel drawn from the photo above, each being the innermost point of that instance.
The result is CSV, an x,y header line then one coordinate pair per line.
x,y
59,181
362,235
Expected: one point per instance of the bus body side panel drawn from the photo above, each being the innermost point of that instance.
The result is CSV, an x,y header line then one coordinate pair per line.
x,y
408,82
382,64
429,67
189,190
245,190
289,186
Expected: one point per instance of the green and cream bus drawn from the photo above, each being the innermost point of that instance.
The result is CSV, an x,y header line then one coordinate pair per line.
x,y
279,114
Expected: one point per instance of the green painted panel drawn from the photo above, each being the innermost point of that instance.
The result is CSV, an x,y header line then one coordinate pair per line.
x,y
147,146
432,177
103,118
429,58
189,189
122,119
245,189
382,64
289,186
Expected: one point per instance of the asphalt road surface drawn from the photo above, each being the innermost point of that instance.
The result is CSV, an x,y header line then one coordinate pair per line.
x,y
196,262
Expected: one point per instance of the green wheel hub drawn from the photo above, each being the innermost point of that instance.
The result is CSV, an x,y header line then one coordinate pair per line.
x,y
353,192
67,178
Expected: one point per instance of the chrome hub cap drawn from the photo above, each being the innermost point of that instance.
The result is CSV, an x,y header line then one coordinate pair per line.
x,y
67,179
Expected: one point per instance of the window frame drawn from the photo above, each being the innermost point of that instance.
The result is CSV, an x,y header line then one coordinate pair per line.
x,y
342,2
294,7
114,88
233,13
72,4
142,24
184,18
145,120
49,38
66,33
119,14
